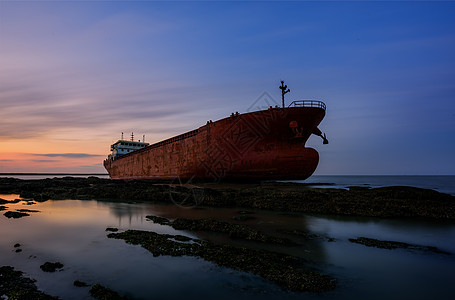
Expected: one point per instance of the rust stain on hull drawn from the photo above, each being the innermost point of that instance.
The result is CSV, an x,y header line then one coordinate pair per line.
x,y
267,144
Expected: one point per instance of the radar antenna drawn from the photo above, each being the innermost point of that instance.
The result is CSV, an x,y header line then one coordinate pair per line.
x,y
283,88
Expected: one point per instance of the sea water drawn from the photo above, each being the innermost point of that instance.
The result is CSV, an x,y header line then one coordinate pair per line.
x,y
443,184
73,233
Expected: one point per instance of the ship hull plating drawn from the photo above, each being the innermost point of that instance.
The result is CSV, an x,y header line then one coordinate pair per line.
x,y
267,144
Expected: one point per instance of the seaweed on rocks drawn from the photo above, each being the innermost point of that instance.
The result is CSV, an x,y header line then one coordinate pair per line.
x,y
284,270
13,285
306,235
102,293
369,242
27,210
237,231
79,283
15,214
243,218
51,267
393,201
158,220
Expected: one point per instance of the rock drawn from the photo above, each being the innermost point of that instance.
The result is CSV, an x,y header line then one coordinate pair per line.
x,y
17,245
243,218
281,269
51,267
15,214
394,201
158,220
306,235
112,229
102,293
369,242
27,210
80,283
237,231
14,285
3,207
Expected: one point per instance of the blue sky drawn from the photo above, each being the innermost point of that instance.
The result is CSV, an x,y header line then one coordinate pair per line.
x,y
74,74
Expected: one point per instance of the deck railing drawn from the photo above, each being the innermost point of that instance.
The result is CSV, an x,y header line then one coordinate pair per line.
x,y
308,103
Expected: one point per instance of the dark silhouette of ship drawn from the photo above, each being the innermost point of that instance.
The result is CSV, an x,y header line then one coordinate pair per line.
x,y
259,145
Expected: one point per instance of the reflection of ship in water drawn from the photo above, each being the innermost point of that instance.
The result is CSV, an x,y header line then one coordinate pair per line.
x,y
126,213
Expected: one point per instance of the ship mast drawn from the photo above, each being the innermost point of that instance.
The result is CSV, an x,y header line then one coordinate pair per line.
x,y
283,88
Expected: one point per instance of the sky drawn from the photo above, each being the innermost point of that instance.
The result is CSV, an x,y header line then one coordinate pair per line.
x,y
75,74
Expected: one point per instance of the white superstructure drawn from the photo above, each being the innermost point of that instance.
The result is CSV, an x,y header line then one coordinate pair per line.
x,y
122,147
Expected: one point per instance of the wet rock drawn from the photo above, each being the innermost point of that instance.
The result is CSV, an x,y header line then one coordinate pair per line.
x,y
102,293
243,218
15,214
27,210
307,235
3,207
394,201
237,231
3,201
369,242
158,220
14,285
112,229
51,267
284,270
80,283
18,250
17,245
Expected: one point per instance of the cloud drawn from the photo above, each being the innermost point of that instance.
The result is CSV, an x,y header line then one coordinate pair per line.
x,y
44,160
67,155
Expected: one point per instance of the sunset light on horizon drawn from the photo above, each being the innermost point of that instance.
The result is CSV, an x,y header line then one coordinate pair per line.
x,y
74,75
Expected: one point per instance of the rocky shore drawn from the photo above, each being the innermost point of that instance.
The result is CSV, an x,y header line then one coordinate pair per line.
x,y
385,202
14,285
288,271
284,270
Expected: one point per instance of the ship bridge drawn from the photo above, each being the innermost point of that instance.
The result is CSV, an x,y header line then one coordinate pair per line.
x,y
122,147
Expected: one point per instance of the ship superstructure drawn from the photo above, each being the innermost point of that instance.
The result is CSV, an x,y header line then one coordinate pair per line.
x,y
122,147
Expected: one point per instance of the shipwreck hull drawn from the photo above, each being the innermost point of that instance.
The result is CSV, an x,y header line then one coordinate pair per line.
x,y
267,144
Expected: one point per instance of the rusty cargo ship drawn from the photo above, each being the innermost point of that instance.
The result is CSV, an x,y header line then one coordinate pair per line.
x,y
260,145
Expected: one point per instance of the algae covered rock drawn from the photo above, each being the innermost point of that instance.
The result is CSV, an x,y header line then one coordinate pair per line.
x,y
15,214
102,293
51,267
14,285
284,270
